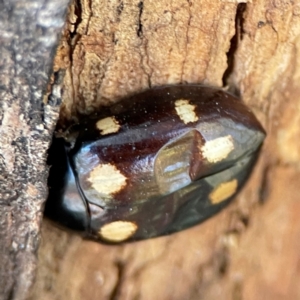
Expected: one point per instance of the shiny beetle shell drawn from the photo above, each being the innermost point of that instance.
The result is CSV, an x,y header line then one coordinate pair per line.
x,y
155,163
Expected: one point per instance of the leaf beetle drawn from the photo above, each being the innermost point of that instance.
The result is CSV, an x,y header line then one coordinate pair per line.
x,y
155,163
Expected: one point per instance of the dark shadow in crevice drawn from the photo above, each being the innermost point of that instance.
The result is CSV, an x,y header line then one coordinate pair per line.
x,y
140,25
117,289
264,189
239,31
78,14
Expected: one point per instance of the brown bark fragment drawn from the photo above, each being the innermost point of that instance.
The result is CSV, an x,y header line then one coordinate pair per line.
x,y
29,33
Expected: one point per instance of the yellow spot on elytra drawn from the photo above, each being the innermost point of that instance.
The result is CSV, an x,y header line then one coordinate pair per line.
x,y
118,231
223,191
185,111
108,125
107,179
217,149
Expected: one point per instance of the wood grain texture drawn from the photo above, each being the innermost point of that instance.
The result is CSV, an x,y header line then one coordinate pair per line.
x,y
249,251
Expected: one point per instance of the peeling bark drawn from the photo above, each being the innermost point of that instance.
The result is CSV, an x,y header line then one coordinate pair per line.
x,y
29,34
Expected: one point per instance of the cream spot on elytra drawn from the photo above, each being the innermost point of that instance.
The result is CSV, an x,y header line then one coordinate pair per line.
x,y
223,191
107,179
108,125
185,111
118,231
217,149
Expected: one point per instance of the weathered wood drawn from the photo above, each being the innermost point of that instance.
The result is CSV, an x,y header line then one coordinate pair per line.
x,y
29,32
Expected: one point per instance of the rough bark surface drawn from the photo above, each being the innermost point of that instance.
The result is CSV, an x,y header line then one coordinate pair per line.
x,y
28,35
249,250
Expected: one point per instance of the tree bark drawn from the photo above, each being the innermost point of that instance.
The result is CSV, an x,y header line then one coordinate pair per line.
x,y
29,34
111,49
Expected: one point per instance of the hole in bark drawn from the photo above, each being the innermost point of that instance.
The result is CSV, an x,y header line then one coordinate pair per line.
x,y
239,31
245,220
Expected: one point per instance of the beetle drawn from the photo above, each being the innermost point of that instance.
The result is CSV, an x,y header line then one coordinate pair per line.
x,y
155,163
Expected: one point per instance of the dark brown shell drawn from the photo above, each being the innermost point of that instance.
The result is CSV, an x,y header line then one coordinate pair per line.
x,y
155,163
